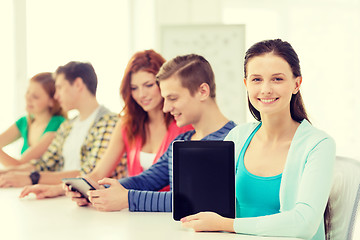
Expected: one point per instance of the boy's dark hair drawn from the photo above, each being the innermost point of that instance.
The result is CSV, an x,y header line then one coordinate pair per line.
x,y
85,71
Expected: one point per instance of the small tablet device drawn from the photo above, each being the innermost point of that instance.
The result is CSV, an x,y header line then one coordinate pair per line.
x,y
80,185
203,178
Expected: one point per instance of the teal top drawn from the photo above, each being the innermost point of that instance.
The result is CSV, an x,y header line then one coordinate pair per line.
x,y
23,127
304,189
255,195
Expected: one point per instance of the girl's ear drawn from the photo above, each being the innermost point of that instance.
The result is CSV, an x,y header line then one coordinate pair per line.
x,y
298,82
51,103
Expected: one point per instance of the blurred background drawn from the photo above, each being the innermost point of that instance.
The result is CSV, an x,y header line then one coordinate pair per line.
x,y
40,35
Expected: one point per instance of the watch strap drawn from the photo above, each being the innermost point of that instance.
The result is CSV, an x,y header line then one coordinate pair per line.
x,y
35,177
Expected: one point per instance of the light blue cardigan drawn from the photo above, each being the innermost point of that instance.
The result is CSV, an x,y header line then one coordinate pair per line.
x,y
305,185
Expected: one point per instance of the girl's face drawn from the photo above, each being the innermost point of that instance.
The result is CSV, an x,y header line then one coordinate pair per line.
x,y
37,99
145,91
270,84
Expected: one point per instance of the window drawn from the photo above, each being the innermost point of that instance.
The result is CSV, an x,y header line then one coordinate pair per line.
x,y
60,31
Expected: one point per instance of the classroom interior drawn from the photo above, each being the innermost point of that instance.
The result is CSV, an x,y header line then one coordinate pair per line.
x,y
40,35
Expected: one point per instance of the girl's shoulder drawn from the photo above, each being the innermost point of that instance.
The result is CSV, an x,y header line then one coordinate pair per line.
x,y
242,130
307,134
57,119
54,123
22,122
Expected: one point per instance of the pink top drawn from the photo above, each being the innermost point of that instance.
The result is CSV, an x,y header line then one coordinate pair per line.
x,y
133,153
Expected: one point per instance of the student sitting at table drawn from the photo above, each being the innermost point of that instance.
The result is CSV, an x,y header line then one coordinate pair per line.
x,y
144,131
284,165
188,87
38,128
80,142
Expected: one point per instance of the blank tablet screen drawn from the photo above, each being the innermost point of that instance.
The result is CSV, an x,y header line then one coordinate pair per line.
x,y
203,178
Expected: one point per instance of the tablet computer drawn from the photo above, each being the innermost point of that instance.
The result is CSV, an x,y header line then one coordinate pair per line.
x,y
203,178
80,185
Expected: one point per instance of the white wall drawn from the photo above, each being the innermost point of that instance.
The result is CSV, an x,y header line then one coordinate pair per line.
x,y
186,27
324,33
9,89
326,36
81,30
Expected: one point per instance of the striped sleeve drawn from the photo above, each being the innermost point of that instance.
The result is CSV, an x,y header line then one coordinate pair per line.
x,y
142,196
150,201
153,179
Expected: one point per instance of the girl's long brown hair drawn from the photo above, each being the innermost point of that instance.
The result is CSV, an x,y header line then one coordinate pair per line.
x,y
134,118
284,50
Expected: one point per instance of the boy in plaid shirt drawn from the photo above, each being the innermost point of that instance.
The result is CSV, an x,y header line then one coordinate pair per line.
x,y
79,142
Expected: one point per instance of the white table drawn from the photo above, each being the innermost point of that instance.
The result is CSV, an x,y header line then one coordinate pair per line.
x,y
60,218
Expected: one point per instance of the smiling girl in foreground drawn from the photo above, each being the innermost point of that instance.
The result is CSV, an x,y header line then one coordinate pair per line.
x,y
284,165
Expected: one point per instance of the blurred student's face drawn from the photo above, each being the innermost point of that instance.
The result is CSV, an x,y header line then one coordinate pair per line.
x,y
37,99
179,102
145,91
270,84
66,93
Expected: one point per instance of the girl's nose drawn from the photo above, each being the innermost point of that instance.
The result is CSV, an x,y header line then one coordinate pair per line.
x,y
266,88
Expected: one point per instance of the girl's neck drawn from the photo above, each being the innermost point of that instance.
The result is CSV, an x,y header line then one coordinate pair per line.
x,y
276,129
43,117
156,116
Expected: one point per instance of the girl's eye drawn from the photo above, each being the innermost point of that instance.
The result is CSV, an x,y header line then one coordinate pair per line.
x,y
256,79
133,88
149,85
278,79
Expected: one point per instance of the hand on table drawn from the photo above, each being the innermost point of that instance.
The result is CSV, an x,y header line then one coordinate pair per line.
x,y
75,195
208,221
114,198
43,191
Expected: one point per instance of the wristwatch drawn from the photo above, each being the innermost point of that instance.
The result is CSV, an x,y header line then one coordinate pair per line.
x,y
35,177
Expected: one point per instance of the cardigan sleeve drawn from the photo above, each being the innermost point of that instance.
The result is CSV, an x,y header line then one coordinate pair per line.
x,y
304,219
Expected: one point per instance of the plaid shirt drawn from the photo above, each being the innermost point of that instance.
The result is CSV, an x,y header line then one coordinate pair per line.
x,y
93,148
